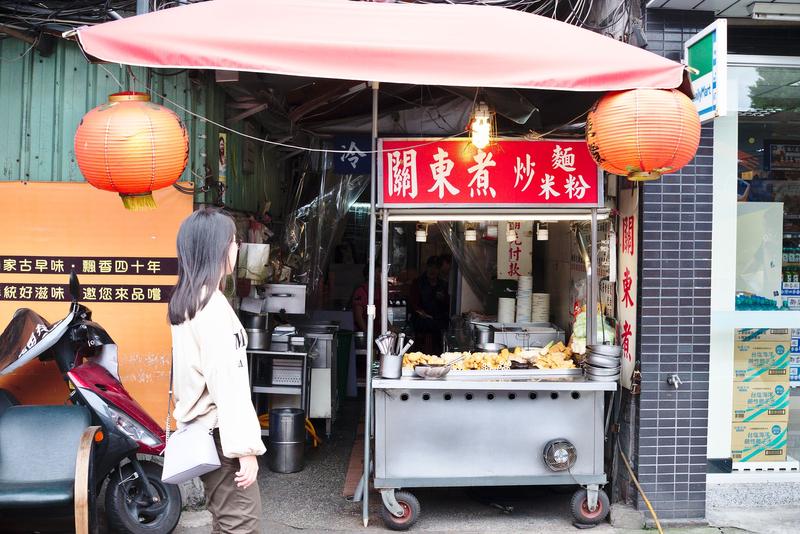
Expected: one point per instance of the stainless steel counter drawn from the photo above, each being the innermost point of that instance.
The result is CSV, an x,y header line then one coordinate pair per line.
x,y
487,428
500,383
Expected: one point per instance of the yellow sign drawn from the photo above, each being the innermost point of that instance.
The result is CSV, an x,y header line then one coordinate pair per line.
x,y
126,265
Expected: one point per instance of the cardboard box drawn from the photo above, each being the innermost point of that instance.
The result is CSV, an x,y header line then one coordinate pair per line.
x,y
760,402
749,335
759,442
762,355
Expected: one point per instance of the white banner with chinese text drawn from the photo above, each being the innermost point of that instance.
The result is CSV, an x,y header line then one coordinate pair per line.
x,y
515,258
628,277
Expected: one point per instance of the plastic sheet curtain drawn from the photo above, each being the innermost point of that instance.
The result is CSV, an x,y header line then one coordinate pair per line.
x,y
311,228
581,239
477,260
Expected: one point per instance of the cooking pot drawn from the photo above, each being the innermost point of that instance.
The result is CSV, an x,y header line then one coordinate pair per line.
x,y
253,321
257,339
483,334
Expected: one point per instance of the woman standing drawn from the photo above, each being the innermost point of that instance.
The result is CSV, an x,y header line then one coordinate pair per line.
x,y
211,381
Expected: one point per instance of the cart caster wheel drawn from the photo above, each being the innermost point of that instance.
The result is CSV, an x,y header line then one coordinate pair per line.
x,y
580,507
410,515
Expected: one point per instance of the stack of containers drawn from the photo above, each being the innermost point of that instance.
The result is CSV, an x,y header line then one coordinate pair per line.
x,y
760,394
540,308
603,363
505,310
524,293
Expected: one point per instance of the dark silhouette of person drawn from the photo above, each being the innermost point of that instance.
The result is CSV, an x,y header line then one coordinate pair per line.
x,y
429,307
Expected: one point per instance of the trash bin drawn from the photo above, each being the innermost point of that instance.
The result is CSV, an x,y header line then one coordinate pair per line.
x,y
287,440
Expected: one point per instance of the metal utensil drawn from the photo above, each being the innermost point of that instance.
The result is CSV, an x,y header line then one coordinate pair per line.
x,y
408,346
384,343
257,339
391,366
400,339
431,371
483,334
437,371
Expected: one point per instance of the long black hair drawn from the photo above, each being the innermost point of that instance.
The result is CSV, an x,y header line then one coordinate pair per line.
x,y
204,239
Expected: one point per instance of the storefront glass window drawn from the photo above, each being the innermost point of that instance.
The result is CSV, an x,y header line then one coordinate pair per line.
x,y
766,408
768,228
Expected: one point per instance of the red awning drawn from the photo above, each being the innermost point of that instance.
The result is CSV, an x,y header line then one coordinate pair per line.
x,y
425,44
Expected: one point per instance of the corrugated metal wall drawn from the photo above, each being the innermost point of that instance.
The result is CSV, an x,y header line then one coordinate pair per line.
x,y
43,100
247,191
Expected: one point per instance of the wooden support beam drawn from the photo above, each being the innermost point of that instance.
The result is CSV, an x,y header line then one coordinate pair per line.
x,y
252,110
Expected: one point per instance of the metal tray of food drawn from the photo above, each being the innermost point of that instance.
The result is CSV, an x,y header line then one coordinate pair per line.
x,y
515,373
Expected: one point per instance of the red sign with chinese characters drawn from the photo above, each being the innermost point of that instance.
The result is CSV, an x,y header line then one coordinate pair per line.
x,y
454,173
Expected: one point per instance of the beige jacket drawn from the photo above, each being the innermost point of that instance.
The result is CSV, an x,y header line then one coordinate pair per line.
x,y
211,380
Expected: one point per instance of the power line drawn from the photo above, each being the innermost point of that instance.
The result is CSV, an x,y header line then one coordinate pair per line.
x,y
266,141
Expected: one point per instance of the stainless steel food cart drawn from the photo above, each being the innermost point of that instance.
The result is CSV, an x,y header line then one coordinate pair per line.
x,y
489,428
485,430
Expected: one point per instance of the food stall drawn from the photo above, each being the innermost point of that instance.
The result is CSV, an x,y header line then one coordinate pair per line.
x,y
501,415
422,44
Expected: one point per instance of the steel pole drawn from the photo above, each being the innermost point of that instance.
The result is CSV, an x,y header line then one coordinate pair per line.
x,y
384,272
592,286
370,309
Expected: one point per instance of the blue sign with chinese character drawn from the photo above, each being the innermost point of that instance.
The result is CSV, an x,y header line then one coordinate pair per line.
x,y
353,154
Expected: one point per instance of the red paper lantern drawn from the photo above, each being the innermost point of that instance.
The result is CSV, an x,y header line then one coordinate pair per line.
x,y
131,146
643,133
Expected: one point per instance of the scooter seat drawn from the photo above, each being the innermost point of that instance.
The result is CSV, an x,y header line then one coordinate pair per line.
x,y
38,451
29,336
29,495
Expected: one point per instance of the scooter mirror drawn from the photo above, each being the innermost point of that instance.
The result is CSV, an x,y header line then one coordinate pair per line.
x,y
74,286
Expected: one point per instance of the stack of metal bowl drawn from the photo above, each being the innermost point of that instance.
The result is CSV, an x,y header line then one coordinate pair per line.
x,y
603,362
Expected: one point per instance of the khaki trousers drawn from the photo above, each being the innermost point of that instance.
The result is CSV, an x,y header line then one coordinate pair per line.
x,y
234,510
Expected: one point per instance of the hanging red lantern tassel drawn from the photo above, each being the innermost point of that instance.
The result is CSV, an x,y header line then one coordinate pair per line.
x,y
132,147
643,133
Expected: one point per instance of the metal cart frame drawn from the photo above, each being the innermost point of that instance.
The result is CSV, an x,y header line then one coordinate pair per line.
x,y
432,213
402,459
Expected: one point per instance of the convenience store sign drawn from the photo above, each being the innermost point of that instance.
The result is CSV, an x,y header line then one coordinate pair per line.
x,y
430,173
707,55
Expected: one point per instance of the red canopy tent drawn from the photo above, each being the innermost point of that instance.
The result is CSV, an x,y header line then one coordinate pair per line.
x,y
423,44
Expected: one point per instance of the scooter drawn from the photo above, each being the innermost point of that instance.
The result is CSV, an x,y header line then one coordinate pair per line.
x,y
136,500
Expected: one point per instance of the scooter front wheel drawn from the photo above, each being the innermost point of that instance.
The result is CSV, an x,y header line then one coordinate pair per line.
x,y
130,511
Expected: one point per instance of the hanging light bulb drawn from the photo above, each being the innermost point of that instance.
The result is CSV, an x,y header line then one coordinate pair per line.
x,y
422,233
511,233
481,126
542,233
491,231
